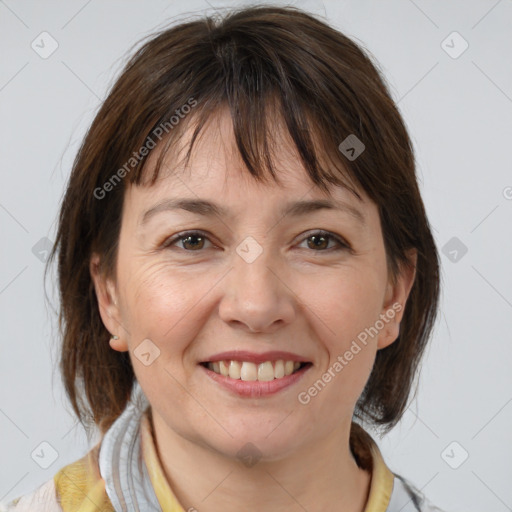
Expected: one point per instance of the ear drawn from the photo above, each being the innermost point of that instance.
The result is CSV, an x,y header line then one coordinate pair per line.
x,y
397,293
106,294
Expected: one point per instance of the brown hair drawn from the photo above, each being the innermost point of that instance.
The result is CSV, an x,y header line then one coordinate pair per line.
x,y
258,62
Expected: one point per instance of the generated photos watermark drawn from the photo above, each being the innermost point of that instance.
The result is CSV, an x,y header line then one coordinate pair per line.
x,y
137,156
304,397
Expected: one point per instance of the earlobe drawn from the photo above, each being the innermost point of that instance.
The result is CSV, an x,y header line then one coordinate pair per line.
x,y
106,295
117,344
396,298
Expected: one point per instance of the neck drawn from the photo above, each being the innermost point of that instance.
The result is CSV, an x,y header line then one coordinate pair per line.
x,y
321,477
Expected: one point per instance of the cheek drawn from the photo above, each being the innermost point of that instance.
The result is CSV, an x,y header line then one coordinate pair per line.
x,y
162,304
347,308
349,302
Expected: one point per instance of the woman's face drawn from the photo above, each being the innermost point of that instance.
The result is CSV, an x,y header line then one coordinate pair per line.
x,y
255,285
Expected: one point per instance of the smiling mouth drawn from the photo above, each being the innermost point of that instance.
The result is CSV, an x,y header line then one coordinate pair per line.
x,y
249,371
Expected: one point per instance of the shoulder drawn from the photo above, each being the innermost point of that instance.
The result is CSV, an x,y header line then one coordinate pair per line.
x,y
80,486
406,498
42,499
77,486
389,492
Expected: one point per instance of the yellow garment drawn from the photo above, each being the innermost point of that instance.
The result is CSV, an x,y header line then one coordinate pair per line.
x,y
81,488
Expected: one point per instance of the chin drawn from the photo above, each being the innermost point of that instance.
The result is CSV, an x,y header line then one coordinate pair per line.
x,y
261,440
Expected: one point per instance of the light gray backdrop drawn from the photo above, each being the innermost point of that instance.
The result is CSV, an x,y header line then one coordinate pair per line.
x,y
450,69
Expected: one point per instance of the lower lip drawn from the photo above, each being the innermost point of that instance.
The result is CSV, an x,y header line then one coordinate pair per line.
x,y
255,388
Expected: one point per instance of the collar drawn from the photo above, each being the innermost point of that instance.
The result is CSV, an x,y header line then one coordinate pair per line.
x,y
164,494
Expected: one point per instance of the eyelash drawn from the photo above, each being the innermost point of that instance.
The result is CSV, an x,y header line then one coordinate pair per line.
x,y
342,244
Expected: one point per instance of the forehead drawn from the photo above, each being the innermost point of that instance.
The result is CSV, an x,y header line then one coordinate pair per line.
x,y
216,167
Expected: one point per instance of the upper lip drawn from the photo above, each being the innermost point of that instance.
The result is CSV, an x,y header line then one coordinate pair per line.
x,y
253,357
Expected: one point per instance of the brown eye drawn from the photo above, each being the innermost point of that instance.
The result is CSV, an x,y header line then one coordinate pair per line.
x,y
190,241
320,241
193,242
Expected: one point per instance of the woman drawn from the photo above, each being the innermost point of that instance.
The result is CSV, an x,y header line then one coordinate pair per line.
x,y
245,268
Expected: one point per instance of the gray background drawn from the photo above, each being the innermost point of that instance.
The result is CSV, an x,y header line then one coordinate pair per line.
x,y
459,112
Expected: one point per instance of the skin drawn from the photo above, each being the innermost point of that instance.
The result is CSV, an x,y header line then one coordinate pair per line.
x,y
193,303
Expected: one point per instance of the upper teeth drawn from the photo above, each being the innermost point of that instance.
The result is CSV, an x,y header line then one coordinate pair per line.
x,y
250,371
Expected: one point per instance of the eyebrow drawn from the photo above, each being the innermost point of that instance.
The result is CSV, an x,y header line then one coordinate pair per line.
x,y
210,209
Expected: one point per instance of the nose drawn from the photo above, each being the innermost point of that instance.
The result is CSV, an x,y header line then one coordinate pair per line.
x,y
256,296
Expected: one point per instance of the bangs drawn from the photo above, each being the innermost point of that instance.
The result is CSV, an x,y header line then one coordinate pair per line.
x,y
268,98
